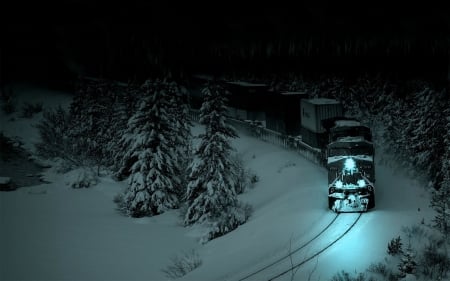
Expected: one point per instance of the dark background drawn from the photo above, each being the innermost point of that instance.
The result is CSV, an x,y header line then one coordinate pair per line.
x,y
136,39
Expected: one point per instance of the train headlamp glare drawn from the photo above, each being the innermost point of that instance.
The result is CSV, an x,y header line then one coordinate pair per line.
x,y
361,183
349,164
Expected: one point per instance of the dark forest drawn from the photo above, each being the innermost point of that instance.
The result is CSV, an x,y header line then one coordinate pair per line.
x,y
141,39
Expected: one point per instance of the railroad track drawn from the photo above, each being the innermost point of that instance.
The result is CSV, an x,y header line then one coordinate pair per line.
x,y
287,263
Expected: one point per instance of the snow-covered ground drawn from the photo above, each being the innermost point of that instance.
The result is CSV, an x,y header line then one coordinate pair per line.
x,y
54,232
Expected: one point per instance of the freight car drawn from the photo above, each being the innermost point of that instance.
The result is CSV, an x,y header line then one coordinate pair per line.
x,y
347,151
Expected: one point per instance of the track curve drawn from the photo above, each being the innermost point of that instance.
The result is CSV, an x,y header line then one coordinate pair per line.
x,y
292,252
319,251
283,265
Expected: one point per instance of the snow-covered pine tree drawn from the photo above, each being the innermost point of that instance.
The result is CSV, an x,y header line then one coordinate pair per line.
x,y
395,246
125,104
434,260
424,139
78,128
407,263
181,127
151,189
211,193
91,123
395,117
440,200
103,124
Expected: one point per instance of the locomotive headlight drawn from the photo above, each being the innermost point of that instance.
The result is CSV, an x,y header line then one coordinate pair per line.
x,y
361,183
339,184
349,164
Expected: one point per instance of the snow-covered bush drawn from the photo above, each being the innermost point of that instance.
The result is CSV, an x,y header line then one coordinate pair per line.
x,y
383,270
81,178
230,219
56,142
121,204
244,178
54,138
346,276
182,265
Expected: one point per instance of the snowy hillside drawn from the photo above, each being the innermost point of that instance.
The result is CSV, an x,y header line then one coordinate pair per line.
x,y
54,232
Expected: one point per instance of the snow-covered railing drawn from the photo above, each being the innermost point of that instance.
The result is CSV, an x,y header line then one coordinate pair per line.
x,y
267,135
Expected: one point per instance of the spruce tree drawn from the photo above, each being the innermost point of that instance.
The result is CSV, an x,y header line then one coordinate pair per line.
x,y
407,263
211,193
395,246
440,200
151,187
91,122
181,126
125,105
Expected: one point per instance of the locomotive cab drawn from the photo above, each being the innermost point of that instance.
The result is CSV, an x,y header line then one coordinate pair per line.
x,y
350,176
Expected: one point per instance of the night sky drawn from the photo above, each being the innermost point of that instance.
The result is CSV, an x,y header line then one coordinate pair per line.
x,y
135,39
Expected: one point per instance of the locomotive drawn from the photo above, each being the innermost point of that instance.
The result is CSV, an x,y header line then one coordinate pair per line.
x,y
350,164
347,151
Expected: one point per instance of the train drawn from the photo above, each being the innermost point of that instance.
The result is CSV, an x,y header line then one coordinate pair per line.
x,y
348,154
342,145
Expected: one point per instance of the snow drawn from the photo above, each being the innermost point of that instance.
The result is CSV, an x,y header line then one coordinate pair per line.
x,y
54,232
80,177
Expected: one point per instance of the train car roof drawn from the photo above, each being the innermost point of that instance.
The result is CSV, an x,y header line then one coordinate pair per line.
x,y
350,142
319,101
347,123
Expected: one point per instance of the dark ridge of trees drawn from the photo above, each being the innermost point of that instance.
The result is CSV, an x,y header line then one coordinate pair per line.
x,y
140,39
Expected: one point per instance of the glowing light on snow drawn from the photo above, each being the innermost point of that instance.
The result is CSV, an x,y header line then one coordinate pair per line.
x,y
349,164
339,184
361,183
